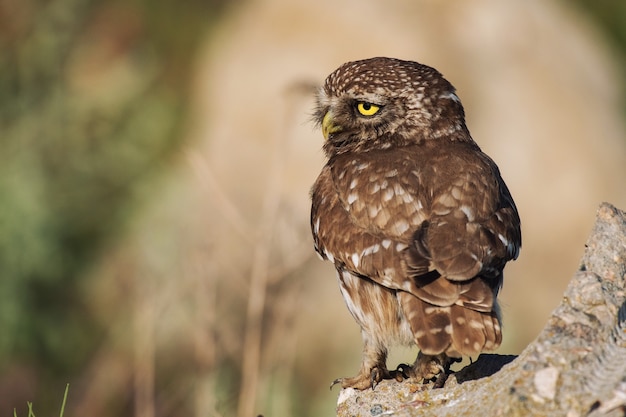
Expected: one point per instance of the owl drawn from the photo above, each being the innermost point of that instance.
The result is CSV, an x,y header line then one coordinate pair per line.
x,y
414,216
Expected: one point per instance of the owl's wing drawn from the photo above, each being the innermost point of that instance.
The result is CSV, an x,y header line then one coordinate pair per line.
x,y
473,230
361,226
381,221
473,227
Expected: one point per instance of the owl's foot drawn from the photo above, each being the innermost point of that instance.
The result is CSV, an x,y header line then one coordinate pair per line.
x,y
428,368
366,379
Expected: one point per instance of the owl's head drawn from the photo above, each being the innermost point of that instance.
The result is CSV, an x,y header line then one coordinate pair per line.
x,y
379,103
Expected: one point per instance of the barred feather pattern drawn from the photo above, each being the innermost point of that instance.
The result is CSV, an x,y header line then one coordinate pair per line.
x,y
415,217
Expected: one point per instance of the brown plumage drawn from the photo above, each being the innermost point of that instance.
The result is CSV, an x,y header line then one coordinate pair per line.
x,y
415,217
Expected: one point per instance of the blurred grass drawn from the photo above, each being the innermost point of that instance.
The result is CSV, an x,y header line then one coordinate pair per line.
x,y
31,412
94,98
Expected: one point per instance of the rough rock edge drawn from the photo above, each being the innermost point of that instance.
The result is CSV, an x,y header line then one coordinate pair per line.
x,y
575,367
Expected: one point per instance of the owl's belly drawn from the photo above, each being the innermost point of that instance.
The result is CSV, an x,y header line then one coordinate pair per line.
x,y
376,309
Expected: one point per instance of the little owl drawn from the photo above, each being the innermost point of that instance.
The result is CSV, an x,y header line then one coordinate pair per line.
x,y
415,217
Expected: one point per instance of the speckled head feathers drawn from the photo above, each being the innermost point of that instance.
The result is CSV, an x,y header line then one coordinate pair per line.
x,y
414,102
384,75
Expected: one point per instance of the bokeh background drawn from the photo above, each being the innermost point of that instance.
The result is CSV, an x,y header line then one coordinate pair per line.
x,y
154,172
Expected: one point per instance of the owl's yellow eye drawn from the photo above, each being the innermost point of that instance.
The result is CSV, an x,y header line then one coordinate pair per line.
x,y
367,109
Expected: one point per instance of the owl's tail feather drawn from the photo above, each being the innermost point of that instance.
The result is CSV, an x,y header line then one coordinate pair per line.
x,y
493,332
430,324
474,331
455,330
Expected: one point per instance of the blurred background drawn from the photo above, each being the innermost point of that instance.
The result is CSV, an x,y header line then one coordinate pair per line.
x,y
156,159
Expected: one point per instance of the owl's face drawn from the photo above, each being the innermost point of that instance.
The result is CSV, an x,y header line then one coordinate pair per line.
x,y
378,103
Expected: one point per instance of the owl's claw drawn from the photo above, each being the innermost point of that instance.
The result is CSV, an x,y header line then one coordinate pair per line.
x,y
378,375
426,368
335,382
431,368
440,379
365,379
403,371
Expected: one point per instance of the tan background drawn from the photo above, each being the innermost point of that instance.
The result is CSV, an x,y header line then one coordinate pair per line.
x,y
213,302
539,92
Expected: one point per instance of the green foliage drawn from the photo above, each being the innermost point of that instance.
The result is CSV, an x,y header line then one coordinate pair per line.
x,y
611,17
93,100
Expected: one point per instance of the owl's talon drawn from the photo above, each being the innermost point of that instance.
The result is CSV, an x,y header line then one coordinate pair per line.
x,y
335,382
403,370
373,381
377,375
432,368
365,379
440,379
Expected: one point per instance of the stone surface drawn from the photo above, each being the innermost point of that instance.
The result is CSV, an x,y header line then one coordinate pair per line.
x,y
575,367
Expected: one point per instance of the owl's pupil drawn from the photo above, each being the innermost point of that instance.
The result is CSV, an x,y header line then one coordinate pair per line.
x,y
367,106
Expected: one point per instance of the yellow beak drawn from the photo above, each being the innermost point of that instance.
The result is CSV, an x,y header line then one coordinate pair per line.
x,y
328,127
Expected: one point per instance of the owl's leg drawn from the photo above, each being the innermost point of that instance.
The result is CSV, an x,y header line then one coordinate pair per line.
x,y
373,368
